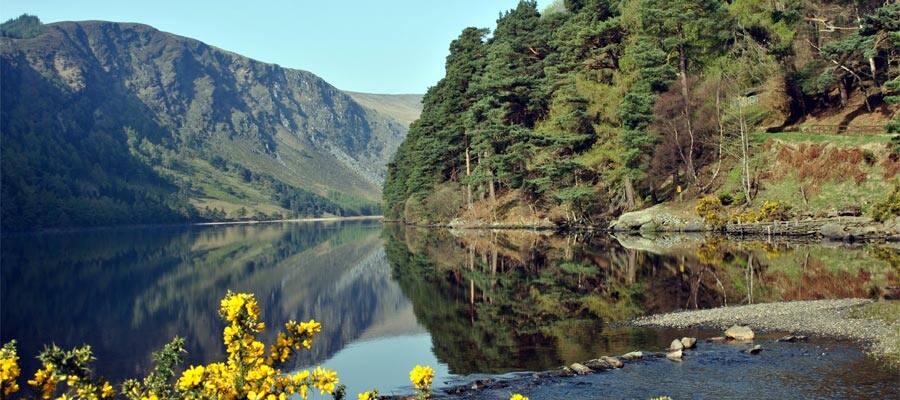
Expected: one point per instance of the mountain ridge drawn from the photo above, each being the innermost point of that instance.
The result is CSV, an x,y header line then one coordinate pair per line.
x,y
108,123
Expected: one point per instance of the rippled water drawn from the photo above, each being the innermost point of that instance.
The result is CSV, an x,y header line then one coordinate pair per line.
x,y
469,303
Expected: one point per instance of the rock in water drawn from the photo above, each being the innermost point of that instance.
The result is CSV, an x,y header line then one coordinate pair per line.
x,y
612,361
580,369
674,355
676,345
716,339
597,364
634,355
688,342
738,332
798,338
754,350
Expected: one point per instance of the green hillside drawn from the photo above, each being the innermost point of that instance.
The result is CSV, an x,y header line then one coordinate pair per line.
x,y
590,108
108,123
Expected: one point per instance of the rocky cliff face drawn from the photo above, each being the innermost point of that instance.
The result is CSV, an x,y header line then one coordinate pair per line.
x,y
127,98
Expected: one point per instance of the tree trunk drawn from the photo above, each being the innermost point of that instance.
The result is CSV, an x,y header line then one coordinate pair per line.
x,y
745,149
468,184
491,182
629,194
686,94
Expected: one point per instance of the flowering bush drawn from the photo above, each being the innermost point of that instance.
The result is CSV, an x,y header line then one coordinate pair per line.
x,y
710,209
9,369
421,377
249,372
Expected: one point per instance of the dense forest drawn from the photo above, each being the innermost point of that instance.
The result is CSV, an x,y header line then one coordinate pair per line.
x,y
595,107
108,123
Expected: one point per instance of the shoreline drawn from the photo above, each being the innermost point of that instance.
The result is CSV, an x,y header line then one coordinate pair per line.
x,y
835,320
849,319
186,224
837,229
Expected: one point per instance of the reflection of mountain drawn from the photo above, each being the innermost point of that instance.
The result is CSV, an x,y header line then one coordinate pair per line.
x,y
126,292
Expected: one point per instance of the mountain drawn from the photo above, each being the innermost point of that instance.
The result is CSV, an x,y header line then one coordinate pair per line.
x,y
119,123
404,108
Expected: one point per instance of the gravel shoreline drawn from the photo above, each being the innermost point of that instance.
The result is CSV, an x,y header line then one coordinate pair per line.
x,y
828,318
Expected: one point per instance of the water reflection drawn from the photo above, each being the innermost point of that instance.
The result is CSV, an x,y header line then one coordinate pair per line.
x,y
506,301
467,302
127,292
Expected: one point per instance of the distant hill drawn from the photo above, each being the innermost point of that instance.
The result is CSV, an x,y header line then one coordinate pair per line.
x,y
118,123
405,108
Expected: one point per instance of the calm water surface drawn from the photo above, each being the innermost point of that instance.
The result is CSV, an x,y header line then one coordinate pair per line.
x,y
467,303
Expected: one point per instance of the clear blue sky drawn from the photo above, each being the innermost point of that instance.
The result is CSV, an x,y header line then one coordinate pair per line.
x,y
389,46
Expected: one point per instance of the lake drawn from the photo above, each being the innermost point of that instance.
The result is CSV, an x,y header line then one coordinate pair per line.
x,y
468,303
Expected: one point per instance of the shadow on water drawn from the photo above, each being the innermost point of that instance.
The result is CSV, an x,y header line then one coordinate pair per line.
x,y
470,303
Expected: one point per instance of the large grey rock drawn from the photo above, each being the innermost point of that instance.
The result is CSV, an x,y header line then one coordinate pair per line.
x,y
833,231
614,362
676,345
597,364
580,369
738,332
688,342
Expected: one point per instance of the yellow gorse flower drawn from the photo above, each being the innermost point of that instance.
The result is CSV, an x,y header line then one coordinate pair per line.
x,y
9,369
421,377
518,397
250,371
191,378
370,395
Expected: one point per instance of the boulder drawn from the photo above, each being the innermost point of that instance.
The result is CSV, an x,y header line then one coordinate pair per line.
x,y
612,361
688,342
676,345
674,355
833,230
738,332
597,365
634,355
580,369
754,350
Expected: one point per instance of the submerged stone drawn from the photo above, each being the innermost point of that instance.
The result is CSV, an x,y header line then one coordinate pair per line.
x,y
754,350
674,355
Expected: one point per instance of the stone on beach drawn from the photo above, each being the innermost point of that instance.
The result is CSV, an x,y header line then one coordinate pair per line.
x,y
612,361
738,332
688,342
580,369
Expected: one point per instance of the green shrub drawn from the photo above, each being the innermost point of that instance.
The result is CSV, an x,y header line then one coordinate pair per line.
x,y
889,208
